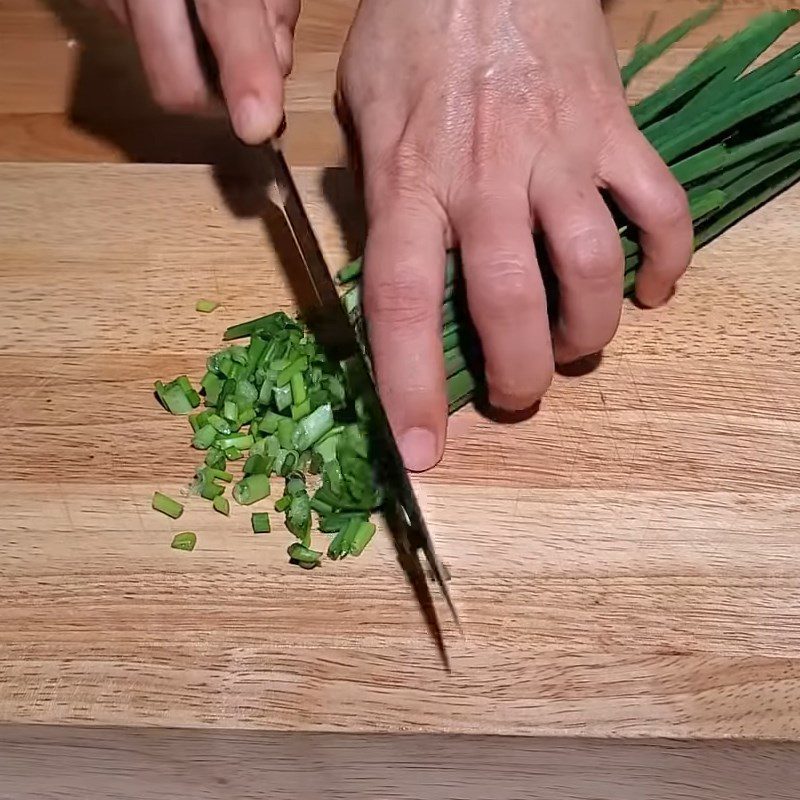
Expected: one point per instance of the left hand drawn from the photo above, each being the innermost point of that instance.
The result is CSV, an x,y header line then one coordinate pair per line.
x,y
477,122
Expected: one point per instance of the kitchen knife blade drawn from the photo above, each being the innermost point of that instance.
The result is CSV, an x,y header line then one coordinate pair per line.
x,y
334,328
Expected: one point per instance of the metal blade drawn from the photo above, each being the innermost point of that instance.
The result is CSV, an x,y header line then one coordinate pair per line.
x,y
335,330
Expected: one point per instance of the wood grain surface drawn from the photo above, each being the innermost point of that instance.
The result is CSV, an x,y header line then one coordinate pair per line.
x,y
626,562
71,88
61,764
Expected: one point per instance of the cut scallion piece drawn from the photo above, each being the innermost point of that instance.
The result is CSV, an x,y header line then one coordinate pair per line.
x,y
184,541
251,489
260,522
204,438
206,306
361,538
166,505
282,503
303,555
222,504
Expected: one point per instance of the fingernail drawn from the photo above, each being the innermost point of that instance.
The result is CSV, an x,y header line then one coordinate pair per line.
x,y
418,448
252,121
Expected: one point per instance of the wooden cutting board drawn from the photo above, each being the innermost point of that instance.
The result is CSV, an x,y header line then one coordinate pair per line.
x,y
627,562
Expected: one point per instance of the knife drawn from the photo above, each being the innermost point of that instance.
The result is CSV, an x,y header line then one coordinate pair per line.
x,y
333,328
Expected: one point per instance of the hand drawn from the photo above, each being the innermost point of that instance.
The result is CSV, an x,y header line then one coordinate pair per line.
x,y
252,44
477,123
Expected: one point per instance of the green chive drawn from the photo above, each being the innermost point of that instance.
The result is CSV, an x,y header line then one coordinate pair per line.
x,y
204,438
260,522
222,505
298,386
296,367
362,537
240,442
298,412
206,306
215,458
302,554
286,428
166,505
184,541
251,489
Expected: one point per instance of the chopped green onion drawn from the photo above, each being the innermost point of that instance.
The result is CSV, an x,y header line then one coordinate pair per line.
x,y
362,537
212,385
289,463
230,411
303,555
219,424
166,505
269,324
240,442
175,398
269,422
282,503
251,489
299,390
312,428
260,522
184,541
222,505
248,415
295,484
256,464
283,397
320,507
298,412
299,365
210,490
206,306
333,523
215,458
233,454
218,474
298,516
286,429
204,438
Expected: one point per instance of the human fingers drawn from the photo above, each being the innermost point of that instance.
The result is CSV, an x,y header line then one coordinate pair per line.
x,y
586,254
167,48
403,289
505,294
251,76
652,199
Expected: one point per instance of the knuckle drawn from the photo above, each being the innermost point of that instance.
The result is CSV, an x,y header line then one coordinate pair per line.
x,y
594,257
406,163
401,300
506,289
672,207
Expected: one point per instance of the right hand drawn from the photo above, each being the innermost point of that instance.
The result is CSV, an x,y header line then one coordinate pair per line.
x,y
252,41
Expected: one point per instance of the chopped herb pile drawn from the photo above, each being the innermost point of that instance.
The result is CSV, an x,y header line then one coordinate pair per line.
x,y
274,404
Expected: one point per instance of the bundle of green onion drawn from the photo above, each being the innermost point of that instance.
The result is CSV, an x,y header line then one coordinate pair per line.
x,y
283,408
732,138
